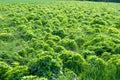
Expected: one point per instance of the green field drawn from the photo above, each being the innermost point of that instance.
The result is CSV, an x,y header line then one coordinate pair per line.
x,y
24,1
59,40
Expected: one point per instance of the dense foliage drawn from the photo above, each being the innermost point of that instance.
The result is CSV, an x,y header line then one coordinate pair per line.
x,y
60,41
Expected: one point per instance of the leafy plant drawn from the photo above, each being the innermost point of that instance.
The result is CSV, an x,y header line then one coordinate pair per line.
x,y
96,69
67,75
4,67
32,78
6,36
114,65
46,66
73,61
16,73
69,40
69,44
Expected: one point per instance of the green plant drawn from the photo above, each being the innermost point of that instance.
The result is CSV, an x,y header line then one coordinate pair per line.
x,y
69,44
6,36
96,69
98,21
4,67
32,78
46,66
16,73
59,49
60,33
87,53
116,50
67,75
80,41
73,61
69,40
114,65
106,56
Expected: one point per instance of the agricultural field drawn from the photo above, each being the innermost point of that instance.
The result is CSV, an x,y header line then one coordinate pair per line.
x,y
60,40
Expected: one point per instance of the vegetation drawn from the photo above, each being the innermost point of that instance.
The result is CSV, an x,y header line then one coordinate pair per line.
x,y
60,40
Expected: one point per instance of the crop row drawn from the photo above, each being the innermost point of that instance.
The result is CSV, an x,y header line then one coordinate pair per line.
x,y
60,41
